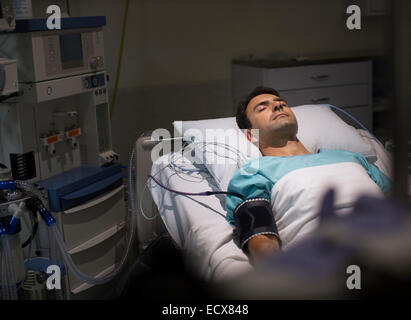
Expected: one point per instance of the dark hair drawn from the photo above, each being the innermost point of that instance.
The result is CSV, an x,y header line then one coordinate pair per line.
x,y
242,120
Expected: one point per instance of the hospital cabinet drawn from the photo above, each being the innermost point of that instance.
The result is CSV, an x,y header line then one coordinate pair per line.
x,y
346,83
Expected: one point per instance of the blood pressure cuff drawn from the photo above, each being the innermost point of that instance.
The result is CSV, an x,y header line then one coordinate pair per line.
x,y
253,217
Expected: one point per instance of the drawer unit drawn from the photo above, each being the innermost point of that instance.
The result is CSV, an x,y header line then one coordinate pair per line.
x,y
317,76
84,223
90,210
342,96
345,84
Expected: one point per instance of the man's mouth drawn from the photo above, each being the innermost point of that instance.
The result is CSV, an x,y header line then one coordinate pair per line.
x,y
280,115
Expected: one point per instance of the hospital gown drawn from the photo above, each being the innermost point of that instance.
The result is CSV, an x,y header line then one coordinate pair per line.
x,y
294,185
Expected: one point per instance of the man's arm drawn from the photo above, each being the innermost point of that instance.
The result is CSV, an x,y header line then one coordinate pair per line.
x,y
251,214
256,228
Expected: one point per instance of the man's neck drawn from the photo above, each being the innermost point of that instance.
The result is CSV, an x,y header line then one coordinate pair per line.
x,y
290,148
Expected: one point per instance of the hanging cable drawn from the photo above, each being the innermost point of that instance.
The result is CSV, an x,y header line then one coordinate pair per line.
x,y
120,58
351,117
205,193
32,235
170,160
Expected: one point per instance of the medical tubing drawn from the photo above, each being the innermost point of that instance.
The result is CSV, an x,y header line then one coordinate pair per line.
x,y
32,190
43,209
34,229
205,193
138,261
53,259
170,160
17,212
27,266
8,281
56,235
36,205
141,206
175,191
13,225
67,257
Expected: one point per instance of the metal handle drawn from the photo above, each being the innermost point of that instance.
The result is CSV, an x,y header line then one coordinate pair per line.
x,y
320,100
321,77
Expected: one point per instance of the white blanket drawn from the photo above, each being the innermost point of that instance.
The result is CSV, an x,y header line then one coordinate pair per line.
x,y
296,198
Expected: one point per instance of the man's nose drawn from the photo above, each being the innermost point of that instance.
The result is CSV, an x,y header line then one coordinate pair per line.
x,y
278,107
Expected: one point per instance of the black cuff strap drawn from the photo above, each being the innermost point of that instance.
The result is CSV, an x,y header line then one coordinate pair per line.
x,y
253,217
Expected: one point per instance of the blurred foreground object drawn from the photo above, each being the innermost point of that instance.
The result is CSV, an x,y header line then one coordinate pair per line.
x,y
376,237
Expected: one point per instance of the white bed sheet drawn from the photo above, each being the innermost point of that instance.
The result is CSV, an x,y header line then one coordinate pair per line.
x,y
197,223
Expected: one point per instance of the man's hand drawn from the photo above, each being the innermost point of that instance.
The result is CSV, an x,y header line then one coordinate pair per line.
x,y
262,246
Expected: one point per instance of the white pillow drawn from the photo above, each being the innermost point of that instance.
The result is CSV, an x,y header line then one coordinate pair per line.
x,y
318,127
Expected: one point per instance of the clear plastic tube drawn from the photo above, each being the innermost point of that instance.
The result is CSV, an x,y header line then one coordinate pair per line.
x,y
8,276
53,259
67,257
26,267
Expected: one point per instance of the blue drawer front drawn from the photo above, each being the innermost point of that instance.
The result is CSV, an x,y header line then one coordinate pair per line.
x,y
85,194
80,183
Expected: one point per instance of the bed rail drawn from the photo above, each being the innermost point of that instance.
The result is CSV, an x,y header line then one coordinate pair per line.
x,y
147,230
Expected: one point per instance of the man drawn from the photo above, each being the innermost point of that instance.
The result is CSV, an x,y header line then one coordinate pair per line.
x,y
254,219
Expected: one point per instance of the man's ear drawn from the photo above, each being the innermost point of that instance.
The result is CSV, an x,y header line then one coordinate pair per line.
x,y
250,136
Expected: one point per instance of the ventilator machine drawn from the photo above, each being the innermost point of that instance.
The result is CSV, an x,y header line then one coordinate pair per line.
x,y
62,199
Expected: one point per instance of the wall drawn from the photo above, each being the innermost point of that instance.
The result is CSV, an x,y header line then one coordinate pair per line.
x,y
176,62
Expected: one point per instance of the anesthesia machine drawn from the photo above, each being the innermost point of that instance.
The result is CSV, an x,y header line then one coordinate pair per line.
x,y
62,200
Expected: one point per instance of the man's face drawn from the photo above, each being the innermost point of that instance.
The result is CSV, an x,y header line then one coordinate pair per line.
x,y
272,116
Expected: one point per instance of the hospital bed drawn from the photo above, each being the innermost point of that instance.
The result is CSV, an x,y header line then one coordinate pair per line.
x,y
197,224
